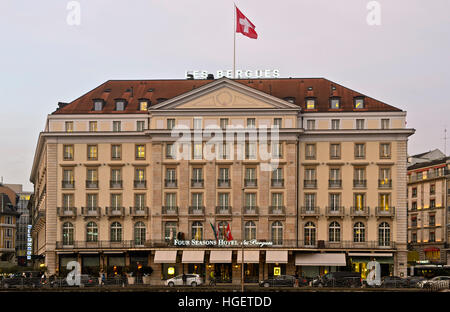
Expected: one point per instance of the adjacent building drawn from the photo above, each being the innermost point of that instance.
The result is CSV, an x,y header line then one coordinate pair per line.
x,y
176,174
8,227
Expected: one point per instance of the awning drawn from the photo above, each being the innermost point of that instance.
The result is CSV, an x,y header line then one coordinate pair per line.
x,y
276,256
320,259
193,256
165,256
368,254
250,256
220,256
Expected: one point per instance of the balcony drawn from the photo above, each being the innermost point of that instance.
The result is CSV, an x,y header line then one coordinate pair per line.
x,y
277,210
383,212
91,184
320,244
68,184
310,184
360,183
223,210
197,183
385,184
335,211
115,184
277,182
169,210
359,212
223,182
251,210
334,183
197,210
115,212
139,212
91,212
140,184
170,183
68,212
250,182
309,211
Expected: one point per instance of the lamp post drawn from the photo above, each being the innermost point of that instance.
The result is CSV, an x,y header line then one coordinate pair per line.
x,y
242,241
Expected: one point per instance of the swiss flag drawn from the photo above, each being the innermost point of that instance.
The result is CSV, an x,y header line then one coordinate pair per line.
x,y
244,26
229,236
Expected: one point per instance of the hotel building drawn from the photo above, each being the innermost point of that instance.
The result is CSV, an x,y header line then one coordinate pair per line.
x,y
124,180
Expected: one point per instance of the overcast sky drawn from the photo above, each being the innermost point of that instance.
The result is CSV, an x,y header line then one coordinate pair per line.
x,y
44,58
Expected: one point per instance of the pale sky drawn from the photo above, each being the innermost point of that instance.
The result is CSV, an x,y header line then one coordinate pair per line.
x,y
404,61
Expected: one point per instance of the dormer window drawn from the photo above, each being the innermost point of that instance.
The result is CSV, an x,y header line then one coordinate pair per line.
x,y
310,103
120,105
358,103
290,99
143,105
335,103
98,105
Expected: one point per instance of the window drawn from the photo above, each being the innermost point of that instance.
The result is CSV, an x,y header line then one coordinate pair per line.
x,y
359,200
92,152
359,124
250,150
197,123
223,151
139,201
359,232
334,202
251,122
91,202
335,151
197,230
170,231
310,151
91,232
171,174
385,150
117,126
335,124
310,234
68,201
310,124
170,123
414,192
335,175
277,174
197,150
68,181
250,230
432,219
277,122
413,221
310,202
143,105
221,229
384,200
171,200
359,177
92,126
432,189
120,105
360,150
277,233
116,232
224,174
140,152
277,150
170,150
224,200
116,175
116,152
334,232
139,175
197,200
385,177
68,152
310,103
277,200
358,103
98,105
432,237
250,173
68,234
69,126
335,103
384,123
116,201
139,233
384,234
140,125
414,206
414,237
223,123
250,201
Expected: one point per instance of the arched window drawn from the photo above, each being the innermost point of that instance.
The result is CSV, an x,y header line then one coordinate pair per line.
x,y
334,232
384,234
250,230
68,233
277,233
197,230
91,232
310,234
170,231
359,232
139,233
222,229
116,232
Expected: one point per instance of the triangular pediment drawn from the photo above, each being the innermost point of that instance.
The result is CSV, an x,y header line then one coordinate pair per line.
x,y
225,94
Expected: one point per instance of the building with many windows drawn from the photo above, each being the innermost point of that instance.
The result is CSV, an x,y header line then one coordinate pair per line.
x,y
8,226
195,175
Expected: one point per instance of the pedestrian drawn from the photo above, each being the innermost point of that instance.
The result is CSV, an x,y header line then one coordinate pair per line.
x,y
296,278
184,279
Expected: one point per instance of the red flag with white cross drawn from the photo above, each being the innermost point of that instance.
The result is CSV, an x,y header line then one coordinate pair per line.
x,y
244,26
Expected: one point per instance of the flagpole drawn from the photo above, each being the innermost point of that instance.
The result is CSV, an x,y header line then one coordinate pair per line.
x,y
234,43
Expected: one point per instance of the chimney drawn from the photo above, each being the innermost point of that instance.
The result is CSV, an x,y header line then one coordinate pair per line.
x,y
210,77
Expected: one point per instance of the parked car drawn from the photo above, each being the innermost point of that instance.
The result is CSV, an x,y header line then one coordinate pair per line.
x,y
191,280
280,280
394,282
414,280
86,280
24,279
338,279
430,282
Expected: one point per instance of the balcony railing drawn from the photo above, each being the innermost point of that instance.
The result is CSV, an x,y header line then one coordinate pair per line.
x,y
139,211
277,182
223,210
383,212
68,184
197,210
197,183
310,184
115,211
309,211
277,210
250,182
91,212
251,210
385,183
91,184
70,212
169,210
360,183
334,183
170,182
115,184
140,184
335,211
320,244
360,211
223,182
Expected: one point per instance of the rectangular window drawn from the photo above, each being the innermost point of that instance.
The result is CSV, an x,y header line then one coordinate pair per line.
x,y
171,199
140,125
92,152
91,201
92,175
277,150
360,150
310,124
250,173
68,201
432,219
250,200
197,174
277,174
224,199
117,126
197,199
250,150
140,152
120,105
310,174
92,126
223,123
139,200
170,150
139,174
197,151
359,174
310,103
384,200
68,181
277,122
223,151
251,122
334,201
68,152
385,150
359,201
335,174
98,105
171,174
69,126
277,199
116,175
310,202
310,151
335,124
224,174
334,103
170,123
116,201
358,103
384,123
335,151
143,105
359,124
116,152
197,123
